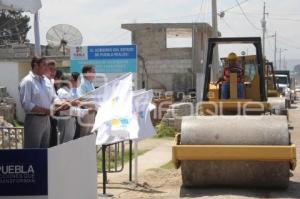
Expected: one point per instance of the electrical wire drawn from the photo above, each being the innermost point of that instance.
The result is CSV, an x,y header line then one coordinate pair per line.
x,y
284,40
239,13
284,19
288,44
279,18
243,12
121,35
238,4
198,17
229,27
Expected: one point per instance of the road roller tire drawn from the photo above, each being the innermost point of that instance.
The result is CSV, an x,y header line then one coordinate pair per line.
x,y
235,130
252,174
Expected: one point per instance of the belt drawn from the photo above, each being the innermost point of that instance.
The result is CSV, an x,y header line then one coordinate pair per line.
x,y
36,114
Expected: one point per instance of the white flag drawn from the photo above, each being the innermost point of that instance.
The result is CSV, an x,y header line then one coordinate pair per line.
x,y
142,107
115,120
114,100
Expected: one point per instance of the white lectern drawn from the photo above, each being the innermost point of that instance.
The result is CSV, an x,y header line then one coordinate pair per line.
x,y
66,171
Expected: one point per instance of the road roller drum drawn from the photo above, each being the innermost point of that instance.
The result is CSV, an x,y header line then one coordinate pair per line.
x,y
240,131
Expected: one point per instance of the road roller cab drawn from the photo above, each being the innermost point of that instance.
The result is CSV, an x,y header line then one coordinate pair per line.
x,y
253,82
235,150
271,80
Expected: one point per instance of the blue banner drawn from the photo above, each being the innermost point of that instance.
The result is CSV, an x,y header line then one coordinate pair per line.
x,y
23,172
106,66
106,59
112,52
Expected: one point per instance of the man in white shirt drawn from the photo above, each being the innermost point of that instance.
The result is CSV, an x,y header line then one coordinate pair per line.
x,y
50,73
67,122
37,95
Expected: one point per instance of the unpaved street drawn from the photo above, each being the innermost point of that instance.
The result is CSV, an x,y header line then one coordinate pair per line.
x,y
166,183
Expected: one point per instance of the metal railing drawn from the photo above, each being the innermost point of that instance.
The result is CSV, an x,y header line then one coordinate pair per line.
x,y
11,137
113,158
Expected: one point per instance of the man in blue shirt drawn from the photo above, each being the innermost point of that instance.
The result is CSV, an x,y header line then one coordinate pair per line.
x,y
86,85
88,76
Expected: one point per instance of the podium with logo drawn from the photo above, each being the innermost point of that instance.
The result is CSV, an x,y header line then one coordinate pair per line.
x,y
65,171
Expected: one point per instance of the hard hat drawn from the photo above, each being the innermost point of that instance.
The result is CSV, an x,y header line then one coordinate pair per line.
x,y
232,56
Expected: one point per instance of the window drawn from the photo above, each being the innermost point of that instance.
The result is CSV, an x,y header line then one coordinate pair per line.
x,y
179,38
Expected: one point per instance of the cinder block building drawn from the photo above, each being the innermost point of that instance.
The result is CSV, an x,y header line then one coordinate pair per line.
x,y
170,54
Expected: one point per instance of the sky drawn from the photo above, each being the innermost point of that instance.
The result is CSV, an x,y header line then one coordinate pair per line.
x,y
100,21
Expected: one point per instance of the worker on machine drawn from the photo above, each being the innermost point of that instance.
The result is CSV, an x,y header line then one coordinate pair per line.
x,y
232,66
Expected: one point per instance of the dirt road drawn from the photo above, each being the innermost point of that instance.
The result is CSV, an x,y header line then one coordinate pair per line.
x,y
166,183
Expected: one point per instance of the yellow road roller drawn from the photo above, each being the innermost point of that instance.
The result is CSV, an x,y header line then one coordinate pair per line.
x,y
235,141
271,80
277,101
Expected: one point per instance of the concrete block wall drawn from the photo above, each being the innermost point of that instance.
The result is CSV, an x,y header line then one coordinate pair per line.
x,y
7,106
7,111
174,114
171,74
168,68
27,51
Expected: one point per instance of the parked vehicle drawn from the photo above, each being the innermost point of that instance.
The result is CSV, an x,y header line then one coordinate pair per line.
x,y
283,86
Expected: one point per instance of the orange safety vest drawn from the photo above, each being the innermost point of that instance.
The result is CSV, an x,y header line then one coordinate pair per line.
x,y
235,69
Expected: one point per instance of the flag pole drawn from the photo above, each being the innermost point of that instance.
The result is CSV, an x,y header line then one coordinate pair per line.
x,y
136,144
136,161
37,35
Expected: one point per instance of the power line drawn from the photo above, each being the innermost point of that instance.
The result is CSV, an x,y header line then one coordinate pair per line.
x,y
286,43
203,15
229,27
198,17
121,35
284,19
269,17
273,14
238,4
243,12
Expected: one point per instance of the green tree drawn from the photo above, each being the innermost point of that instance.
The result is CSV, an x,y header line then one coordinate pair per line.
x,y
14,26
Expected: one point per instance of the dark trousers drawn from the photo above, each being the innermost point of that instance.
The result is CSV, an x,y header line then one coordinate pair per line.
x,y
53,132
77,130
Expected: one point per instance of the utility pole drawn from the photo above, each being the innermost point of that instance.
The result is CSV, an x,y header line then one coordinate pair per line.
x,y
280,52
215,68
264,28
280,59
214,18
275,50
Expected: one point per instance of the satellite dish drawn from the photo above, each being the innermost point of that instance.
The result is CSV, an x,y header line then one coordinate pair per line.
x,y
63,36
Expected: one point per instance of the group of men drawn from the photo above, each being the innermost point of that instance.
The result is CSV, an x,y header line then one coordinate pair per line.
x,y
54,113
51,100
